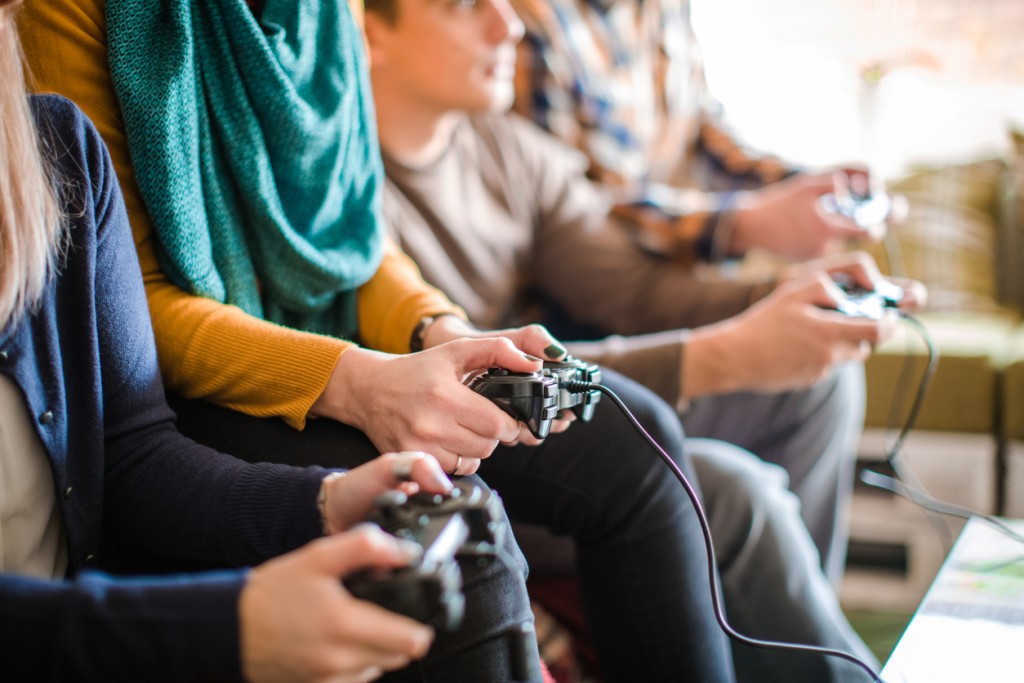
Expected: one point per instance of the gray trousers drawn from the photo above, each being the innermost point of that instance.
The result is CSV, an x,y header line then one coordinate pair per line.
x,y
772,583
812,434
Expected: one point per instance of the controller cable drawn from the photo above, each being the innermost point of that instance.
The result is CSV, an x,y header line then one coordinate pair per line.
x,y
583,387
905,484
893,455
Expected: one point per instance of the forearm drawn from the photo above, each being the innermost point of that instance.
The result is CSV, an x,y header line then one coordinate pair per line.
x,y
740,163
683,224
601,278
654,360
169,497
710,364
219,353
99,629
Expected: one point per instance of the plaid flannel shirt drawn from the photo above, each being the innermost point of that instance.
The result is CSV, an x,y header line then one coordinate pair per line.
x,y
623,81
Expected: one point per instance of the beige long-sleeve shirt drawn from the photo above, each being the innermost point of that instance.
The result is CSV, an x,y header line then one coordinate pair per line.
x,y
506,222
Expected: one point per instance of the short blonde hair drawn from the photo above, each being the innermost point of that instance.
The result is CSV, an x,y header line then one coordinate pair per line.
x,y
31,222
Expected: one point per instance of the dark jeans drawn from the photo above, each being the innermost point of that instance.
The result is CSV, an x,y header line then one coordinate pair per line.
x,y
641,557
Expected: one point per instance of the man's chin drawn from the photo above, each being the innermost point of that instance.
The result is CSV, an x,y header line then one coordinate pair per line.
x,y
501,100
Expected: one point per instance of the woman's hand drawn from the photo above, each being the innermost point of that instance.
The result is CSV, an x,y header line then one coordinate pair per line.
x,y
534,340
420,402
348,500
298,623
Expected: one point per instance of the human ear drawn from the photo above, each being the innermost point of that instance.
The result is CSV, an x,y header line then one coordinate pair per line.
x,y
377,32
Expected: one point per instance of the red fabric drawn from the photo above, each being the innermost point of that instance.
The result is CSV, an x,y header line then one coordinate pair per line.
x,y
559,595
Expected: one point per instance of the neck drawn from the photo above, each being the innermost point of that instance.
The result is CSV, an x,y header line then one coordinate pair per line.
x,y
409,132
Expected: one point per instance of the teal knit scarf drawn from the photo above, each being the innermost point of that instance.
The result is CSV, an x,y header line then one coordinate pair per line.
x,y
255,148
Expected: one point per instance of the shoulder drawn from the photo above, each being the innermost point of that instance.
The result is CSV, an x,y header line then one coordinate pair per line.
x,y
53,107
62,126
77,153
515,136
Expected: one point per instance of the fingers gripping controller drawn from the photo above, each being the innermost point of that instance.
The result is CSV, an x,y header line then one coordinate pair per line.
x,y
869,303
464,523
536,398
864,210
530,397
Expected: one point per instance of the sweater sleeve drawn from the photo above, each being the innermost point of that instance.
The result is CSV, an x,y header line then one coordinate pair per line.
x,y
207,349
165,495
99,629
160,494
590,265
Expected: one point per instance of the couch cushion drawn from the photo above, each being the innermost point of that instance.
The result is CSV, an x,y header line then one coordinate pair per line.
x,y
962,394
1013,388
950,236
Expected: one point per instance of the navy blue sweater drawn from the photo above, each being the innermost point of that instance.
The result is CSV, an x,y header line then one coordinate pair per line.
x,y
124,477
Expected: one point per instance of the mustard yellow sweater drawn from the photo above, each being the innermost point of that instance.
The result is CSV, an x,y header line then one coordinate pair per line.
x,y
207,349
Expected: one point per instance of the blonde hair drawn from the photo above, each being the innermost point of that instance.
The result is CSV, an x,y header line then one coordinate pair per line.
x,y
31,222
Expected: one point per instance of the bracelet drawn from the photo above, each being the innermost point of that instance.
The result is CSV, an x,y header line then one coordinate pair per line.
x,y
321,499
420,331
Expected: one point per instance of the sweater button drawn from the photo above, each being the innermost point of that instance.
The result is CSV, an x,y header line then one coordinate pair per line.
x,y
90,560
46,418
68,491
3,356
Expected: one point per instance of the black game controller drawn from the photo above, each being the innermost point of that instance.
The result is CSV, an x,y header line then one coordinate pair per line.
x,y
530,397
568,371
465,522
536,398
858,302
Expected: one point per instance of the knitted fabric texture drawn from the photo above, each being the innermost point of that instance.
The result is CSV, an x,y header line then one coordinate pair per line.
x,y
254,145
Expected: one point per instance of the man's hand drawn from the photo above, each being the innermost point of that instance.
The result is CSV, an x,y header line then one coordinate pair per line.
x,y
785,218
860,269
298,623
788,340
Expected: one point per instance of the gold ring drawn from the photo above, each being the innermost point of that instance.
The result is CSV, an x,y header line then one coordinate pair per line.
x,y
458,464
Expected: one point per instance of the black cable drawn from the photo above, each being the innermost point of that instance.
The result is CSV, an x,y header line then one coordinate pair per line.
x,y
582,387
921,498
899,484
894,454
922,387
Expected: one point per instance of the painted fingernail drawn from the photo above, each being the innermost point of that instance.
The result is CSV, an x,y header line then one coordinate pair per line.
x,y
529,357
554,351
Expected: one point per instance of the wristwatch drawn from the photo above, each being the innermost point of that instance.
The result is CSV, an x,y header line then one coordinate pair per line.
x,y
418,332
